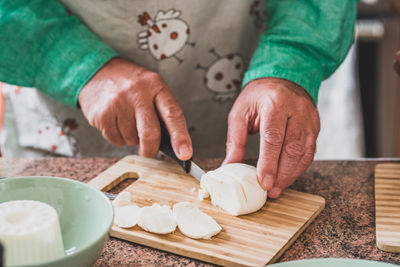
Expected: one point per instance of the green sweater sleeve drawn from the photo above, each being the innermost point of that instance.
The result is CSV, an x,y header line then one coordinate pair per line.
x,y
305,41
43,46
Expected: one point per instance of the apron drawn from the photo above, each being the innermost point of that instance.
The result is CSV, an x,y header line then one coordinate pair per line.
x,y
200,48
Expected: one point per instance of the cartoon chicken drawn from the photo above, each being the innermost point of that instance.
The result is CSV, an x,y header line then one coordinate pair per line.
x,y
165,36
223,76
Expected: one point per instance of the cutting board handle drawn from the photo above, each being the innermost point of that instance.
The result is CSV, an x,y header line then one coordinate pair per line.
x,y
119,172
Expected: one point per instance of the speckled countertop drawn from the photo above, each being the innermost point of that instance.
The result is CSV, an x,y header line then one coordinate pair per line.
x,y
345,228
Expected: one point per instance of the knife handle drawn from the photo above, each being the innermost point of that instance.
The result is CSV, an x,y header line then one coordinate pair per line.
x,y
166,148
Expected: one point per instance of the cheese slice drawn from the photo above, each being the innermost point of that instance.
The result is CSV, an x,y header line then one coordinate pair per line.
x,y
194,223
157,219
126,216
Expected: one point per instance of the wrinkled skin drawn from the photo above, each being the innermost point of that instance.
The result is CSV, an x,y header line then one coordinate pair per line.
x,y
288,123
121,99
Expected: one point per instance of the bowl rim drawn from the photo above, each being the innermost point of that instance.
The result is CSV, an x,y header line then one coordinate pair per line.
x,y
73,181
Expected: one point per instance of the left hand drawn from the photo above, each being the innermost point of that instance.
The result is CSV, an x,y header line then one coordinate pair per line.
x,y
288,122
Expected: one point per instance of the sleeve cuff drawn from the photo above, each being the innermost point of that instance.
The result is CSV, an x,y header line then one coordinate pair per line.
x,y
310,85
283,60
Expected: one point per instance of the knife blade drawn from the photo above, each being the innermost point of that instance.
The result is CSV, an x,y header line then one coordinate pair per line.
x,y
188,165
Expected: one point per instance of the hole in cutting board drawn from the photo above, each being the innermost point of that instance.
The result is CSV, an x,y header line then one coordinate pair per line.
x,y
123,182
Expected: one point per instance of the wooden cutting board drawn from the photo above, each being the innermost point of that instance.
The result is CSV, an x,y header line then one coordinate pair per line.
x,y
249,240
387,206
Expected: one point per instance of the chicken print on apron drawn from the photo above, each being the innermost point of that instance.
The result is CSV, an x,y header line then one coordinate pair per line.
x,y
165,36
223,77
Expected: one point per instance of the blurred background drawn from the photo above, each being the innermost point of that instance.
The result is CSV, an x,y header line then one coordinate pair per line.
x,y
360,103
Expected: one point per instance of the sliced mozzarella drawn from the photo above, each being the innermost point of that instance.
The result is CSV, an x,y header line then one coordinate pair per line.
x,y
126,216
157,219
194,223
122,199
234,188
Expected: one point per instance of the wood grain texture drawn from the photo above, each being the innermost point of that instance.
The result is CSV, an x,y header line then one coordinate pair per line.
x,y
387,206
249,240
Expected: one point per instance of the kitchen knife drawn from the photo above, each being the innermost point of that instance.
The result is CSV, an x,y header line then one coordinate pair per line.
x,y
188,165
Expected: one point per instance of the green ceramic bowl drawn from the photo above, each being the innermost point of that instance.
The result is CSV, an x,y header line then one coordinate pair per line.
x,y
85,214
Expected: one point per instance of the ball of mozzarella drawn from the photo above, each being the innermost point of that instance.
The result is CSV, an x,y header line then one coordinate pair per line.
x,y
234,188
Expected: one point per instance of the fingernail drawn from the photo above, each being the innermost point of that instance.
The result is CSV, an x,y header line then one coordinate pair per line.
x,y
268,182
184,151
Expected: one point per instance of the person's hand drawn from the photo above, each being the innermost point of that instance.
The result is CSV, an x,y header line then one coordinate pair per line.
x,y
288,122
121,100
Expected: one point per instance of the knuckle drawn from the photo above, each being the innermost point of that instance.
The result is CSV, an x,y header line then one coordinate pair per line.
x,y
296,133
173,112
234,116
233,141
279,97
294,149
275,92
273,137
152,77
124,84
274,102
311,140
302,106
150,135
307,158
119,96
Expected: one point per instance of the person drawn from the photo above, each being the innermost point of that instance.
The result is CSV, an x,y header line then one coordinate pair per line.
x,y
119,66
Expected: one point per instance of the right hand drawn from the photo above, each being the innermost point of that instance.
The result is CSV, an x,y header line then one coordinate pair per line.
x,y
120,101
288,122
